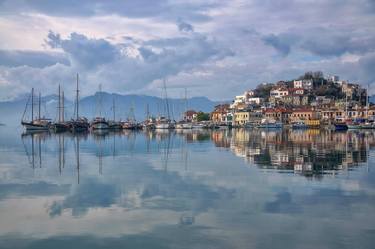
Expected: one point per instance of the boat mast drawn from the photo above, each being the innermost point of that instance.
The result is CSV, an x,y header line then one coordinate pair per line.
x,y
346,105
113,108
59,105
39,106
100,100
32,104
367,101
147,112
77,99
62,106
166,98
186,104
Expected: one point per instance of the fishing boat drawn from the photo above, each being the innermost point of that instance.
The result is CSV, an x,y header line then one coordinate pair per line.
x,y
113,124
39,124
78,124
99,122
354,126
270,124
340,126
184,124
61,125
367,125
299,125
163,122
129,125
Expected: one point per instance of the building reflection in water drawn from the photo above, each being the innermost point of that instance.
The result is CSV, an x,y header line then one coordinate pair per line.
x,y
309,152
306,152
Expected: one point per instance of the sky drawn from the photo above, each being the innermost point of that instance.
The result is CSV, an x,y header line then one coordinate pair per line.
x,y
212,48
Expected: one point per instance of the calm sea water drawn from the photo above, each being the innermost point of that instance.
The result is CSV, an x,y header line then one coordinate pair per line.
x,y
191,189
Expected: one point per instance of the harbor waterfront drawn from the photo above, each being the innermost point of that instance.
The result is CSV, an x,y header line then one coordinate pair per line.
x,y
187,188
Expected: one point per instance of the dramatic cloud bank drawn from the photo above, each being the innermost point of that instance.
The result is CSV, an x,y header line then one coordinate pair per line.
x,y
212,48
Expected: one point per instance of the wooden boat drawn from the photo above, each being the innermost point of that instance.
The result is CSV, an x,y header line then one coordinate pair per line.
x,y
113,124
99,123
39,124
79,124
61,125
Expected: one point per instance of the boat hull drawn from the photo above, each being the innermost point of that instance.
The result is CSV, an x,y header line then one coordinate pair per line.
x,y
30,126
100,125
184,126
341,127
164,126
60,127
271,126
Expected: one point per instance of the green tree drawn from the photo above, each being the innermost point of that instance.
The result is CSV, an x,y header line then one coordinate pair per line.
x,y
202,116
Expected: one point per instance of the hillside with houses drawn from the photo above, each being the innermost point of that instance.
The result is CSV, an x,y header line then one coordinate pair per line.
x,y
311,99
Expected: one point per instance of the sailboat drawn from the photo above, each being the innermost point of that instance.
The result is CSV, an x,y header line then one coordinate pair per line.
x,y
113,124
163,122
78,124
39,124
149,123
61,125
184,124
130,123
99,122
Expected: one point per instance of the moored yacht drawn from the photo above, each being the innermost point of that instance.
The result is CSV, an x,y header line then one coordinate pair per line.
x,y
78,124
99,123
39,124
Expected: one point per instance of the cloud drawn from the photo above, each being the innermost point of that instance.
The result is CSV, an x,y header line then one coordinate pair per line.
x,y
281,43
218,48
84,51
100,62
160,9
184,26
15,58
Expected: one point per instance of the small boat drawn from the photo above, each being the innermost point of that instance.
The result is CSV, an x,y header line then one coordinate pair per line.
x,y
99,123
367,125
340,126
128,125
163,123
299,125
199,126
354,126
114,125
270,124
184,125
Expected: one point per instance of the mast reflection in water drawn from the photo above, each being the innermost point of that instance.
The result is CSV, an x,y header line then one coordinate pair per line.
x,y
187,189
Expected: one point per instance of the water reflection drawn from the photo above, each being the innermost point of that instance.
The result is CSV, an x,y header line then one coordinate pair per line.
x,y
187,189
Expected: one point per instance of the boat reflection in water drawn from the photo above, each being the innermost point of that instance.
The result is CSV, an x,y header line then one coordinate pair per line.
x,y
188,188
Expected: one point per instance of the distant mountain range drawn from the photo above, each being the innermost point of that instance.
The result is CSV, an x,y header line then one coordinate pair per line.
x,y
125,105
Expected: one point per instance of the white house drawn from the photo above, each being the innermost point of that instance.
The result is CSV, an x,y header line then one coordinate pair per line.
x,y
279,92
254,100
305,84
